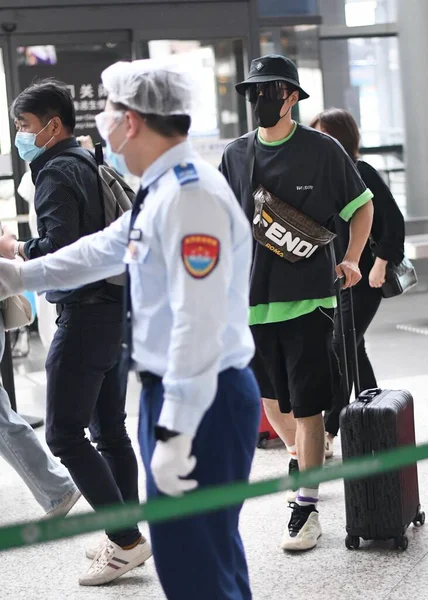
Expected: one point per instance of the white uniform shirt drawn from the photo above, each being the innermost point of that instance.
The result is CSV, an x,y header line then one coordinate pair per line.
x,y
189,257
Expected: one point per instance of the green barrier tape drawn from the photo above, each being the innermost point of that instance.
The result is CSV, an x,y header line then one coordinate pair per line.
x,y
204,500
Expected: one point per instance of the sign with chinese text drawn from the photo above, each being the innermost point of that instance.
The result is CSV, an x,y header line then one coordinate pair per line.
x,y
81,73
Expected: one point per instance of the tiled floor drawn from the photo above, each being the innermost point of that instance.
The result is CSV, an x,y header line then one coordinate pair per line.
x,y
377,572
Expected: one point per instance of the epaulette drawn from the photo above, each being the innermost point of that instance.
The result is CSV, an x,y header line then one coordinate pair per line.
x,y
186,173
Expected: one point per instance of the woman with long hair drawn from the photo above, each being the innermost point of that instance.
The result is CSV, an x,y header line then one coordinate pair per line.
x,y
386,245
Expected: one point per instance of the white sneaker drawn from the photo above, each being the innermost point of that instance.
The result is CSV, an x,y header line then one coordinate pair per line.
x,y
113,561
95,547
63,508
304,529
329,450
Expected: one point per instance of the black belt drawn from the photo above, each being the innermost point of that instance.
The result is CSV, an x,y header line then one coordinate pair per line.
x,y
84,302
147,378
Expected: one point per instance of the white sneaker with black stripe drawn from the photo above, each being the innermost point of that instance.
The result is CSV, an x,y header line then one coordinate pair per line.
x,y
112,562
304,529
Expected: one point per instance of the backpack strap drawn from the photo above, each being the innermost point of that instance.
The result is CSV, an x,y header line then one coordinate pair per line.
x,y
92,161
99,155
85,155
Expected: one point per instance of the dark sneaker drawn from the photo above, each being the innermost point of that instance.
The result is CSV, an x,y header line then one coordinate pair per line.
x,y
293,468
304,529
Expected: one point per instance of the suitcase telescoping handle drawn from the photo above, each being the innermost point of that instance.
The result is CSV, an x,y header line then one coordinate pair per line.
x,y
338,284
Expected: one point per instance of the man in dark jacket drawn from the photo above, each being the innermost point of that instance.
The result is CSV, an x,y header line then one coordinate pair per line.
x,y
84,386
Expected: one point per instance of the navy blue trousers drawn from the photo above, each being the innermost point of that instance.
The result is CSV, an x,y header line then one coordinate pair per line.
x,y
202,557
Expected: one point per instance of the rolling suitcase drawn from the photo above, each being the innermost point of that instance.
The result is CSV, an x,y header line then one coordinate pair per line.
x,y
266,431
380,507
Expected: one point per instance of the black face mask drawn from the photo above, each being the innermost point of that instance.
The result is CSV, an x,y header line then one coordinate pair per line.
x,y
268,112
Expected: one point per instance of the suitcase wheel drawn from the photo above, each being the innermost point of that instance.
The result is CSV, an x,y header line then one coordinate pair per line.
x,y
352,542
401,543
263,440
420,519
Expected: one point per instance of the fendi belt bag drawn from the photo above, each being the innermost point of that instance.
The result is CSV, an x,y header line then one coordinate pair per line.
x,y
281,228
284,230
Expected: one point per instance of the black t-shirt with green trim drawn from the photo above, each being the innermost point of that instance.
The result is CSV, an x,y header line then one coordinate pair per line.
x,y
313,173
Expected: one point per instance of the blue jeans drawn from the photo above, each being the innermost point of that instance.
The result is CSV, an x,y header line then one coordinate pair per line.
x,y
202,557
47,479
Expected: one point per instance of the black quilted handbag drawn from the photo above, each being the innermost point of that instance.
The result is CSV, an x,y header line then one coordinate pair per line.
x,y
399,279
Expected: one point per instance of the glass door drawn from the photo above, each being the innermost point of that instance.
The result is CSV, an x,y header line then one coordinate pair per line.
x,y
78,61
301,44
7,192
75,59
215,66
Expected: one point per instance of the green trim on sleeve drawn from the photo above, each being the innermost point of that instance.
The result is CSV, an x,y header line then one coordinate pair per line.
x,y
277,312
348,212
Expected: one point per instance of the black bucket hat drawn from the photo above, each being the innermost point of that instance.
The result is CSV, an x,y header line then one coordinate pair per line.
x,y
272,67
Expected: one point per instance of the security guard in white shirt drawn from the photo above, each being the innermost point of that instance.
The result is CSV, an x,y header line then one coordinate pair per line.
x,y
188,248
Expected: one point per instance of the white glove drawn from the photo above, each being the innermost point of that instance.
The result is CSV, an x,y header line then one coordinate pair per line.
x,y
171,461
10,278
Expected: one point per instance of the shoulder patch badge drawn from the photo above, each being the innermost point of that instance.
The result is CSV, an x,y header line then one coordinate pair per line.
x,y
200,254
186,173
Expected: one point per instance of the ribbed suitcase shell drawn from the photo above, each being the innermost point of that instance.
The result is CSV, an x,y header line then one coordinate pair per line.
x,y
380,507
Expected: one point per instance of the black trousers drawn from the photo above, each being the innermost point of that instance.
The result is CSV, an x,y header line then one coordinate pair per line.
x,y
366,304
84,389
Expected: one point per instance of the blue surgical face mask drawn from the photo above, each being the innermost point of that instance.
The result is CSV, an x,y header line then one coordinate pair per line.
x,y
117,160
26,144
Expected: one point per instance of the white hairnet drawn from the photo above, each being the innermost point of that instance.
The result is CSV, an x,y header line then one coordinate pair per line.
x,y
149,86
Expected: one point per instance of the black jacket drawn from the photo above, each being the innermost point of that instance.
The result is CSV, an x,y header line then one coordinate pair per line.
x,y
388,231
68,207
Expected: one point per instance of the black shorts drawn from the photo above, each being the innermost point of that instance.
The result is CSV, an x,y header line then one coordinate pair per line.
x,y
295,363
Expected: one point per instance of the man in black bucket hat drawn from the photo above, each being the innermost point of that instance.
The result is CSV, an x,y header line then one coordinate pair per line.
x,y
272,68
292,182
